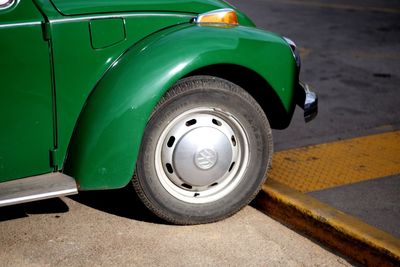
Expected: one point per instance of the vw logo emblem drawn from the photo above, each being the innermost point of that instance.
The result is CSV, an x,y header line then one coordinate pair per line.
x,y
206,158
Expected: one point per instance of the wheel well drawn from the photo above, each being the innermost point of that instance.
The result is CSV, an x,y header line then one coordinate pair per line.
x,y
256,86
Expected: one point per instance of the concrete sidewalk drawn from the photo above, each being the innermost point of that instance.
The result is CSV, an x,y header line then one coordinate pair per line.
x,y
112,228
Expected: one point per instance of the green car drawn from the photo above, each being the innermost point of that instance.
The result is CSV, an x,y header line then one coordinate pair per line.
x,y
177,96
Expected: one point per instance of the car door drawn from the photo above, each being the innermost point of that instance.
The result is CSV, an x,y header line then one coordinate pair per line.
x,y
26,106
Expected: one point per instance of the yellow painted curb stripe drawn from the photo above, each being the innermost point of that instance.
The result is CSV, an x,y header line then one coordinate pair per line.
x,y
339,163
348,235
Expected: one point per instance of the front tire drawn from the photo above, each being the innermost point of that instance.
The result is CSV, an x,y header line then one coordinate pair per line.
x,y
205,152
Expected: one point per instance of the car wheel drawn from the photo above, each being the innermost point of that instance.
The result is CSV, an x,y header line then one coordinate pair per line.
x,y
205,152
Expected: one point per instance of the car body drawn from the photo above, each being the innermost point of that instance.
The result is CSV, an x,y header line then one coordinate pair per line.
x,y
80,81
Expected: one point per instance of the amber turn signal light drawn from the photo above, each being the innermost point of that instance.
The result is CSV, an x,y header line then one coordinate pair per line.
x,y
220,16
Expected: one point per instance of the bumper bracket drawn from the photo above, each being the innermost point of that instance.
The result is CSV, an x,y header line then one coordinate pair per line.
x,y
307,100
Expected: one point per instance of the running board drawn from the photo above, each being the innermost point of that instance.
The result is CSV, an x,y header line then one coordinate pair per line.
x,y
36,188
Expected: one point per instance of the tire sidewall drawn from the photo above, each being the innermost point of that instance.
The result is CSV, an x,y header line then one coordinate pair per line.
x,y
207,92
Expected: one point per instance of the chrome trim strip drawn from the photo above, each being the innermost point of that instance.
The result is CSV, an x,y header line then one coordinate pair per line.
x,y
84,18
11,25
117,15
7,4
212,12
36,197
290,42
36,188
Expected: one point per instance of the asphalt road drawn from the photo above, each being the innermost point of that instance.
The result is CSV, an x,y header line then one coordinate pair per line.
x,y
350,55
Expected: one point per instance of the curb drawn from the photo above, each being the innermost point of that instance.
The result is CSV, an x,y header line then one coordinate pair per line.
x,y
344,233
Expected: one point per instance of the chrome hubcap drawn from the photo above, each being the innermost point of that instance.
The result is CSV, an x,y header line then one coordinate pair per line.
x,y
201,155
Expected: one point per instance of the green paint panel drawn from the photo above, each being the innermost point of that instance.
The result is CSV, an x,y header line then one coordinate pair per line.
x,y
78,67
26,134
107,139
107,32
75,7
112,62
85,7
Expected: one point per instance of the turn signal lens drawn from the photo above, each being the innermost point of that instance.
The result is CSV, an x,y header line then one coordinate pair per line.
x,y
220,16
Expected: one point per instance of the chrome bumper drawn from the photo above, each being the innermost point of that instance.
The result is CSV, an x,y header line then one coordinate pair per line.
x,y
307,100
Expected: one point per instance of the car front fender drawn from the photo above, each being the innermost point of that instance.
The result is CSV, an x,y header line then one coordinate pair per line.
x,y
106,141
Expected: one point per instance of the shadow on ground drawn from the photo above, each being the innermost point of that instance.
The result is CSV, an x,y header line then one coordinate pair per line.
x,y
49,206
120,202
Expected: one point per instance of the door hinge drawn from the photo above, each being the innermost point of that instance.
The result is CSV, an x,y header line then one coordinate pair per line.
x,y
54,158
46,30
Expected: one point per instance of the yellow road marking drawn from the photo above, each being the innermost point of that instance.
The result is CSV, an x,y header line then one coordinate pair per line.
x,y
377,56
333,164
340,6
304,52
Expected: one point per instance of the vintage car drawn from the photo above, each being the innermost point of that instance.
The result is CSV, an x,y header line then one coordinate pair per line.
x,y
177,96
